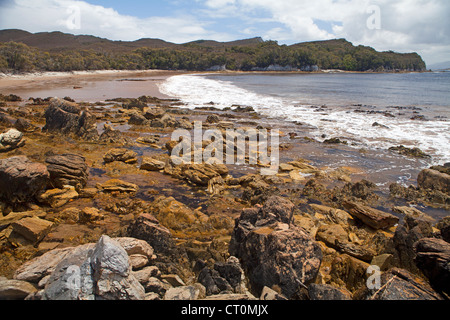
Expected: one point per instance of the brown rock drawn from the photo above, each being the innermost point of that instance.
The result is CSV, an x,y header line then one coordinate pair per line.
x,y
122,155
58,197
33,229
15,289
116,185
434,180
372,217
67,170
151,164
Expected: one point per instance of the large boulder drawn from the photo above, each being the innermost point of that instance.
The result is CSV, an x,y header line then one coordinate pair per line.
x,y
21,180
100,272
15,289
67,170
273,252
70,119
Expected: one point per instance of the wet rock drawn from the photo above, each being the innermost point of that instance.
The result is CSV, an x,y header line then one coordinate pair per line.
x,y
10,140
398,284
335,141
122,155
68,118
15,289
434,180
116,185
67,170
274,253
327,292
33,229
21,180
372,217
154,113
151,164
410,152
433,259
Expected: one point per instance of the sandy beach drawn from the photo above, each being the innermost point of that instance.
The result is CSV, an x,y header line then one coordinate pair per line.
x,y
86,86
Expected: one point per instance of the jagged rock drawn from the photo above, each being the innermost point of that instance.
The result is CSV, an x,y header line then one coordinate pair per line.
x,y
137,119
336,215
372,217
327,292
138,261
68,118
154,113
116,185
111,135
444,226
10,140
135,246
5,221
21,180
58,197
330,233
67,170
33,229
151,164
273,252
398,284
15,289
434,180
433,259
213,282
406,235
146,273
122,155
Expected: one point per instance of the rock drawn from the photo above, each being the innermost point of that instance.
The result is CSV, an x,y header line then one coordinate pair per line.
x,y
58,197
137,119
406,235
200,174
151,164
68,118
433,259
174,280
112,272
349,272
213,282
182,293
157,286
434,180
25,126
327,292
138,261
146,273
89,215
278,208
122,155
329,234
233,273
230,297
336,215
213,118
21,180
147,228
10,140
399,284
273,252
286,167
269,294
154,113
135,246
33,229
88,193
413,212
5,221
67,170
335,141
15,289
372,217
111,135
444,226
410,152
383,261
116,185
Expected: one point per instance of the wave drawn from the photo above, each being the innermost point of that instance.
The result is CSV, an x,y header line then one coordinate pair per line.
x,y
432,137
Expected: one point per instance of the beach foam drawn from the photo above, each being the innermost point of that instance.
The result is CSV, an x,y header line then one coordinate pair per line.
x,y
432,137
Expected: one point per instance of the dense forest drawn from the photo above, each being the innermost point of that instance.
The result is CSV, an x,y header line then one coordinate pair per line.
x,y
255,54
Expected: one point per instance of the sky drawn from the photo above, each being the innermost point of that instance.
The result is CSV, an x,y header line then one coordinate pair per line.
x,y
421,26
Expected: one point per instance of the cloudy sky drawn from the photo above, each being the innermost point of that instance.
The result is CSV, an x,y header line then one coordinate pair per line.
x,y
422,26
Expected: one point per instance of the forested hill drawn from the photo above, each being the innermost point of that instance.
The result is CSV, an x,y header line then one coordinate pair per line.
x,y
21,51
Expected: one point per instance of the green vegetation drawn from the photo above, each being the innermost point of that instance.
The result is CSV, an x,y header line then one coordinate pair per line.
x,y
202,55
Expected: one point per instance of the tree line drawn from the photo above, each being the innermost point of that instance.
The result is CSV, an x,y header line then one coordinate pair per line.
x,y
333,54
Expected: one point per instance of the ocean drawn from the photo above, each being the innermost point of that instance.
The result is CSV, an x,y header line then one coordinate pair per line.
x,y
375,111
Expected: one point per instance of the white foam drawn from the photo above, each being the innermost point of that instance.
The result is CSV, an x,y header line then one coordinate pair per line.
x,y
432,137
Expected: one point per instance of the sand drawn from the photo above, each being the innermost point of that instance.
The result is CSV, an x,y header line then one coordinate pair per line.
x,y
86,86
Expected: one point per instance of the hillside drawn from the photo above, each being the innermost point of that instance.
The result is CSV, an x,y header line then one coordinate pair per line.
x,y
21,51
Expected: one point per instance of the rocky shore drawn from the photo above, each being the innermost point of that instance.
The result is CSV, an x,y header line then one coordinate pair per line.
x,y
93,207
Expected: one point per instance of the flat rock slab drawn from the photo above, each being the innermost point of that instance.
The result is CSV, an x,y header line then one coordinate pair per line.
x,y
32,228
372,217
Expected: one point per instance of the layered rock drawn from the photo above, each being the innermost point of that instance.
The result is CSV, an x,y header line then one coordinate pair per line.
x,y
274,252
122,155
21,180
67,170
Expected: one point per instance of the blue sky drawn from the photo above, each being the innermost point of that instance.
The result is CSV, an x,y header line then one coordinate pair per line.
x,y
401,25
